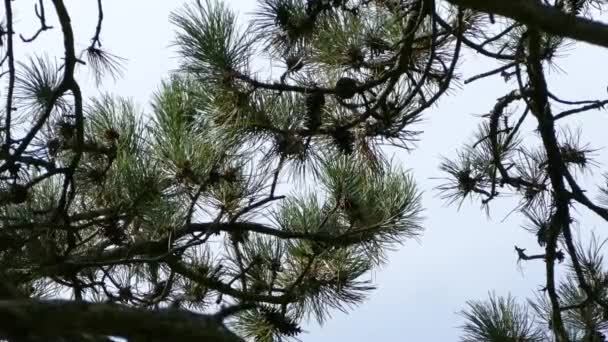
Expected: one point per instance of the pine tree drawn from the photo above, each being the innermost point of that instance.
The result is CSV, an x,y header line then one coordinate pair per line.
x,y
533,154
244,203
250,202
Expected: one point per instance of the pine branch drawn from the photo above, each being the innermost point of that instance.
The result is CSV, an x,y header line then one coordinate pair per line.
x,y
544,17
56,318
8,7
561,220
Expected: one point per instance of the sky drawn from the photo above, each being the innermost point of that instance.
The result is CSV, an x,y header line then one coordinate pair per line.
x,y
462,254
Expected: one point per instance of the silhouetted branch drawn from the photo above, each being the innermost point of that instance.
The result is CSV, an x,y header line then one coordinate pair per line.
x,y
39,9
11,79
597,105
541,110
490,73
56,318
96,40
544,17
521,254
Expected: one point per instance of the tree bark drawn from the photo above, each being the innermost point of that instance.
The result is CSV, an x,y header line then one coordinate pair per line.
x,y
546,18
57,318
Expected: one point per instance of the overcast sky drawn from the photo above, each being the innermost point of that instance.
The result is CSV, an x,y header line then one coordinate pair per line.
x,y
461,256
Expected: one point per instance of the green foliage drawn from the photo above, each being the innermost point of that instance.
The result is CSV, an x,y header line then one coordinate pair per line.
x,y
194,204
36,84
467,177
104,63
267,193
499,319
208,40
379,208
267,324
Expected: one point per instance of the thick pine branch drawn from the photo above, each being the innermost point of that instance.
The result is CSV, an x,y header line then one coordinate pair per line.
x,y
56,318
547,18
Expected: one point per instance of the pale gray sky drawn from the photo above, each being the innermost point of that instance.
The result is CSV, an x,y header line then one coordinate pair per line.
x,y
461,256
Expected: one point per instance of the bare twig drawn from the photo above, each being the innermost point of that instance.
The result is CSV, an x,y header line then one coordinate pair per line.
x,y
11,78
39,9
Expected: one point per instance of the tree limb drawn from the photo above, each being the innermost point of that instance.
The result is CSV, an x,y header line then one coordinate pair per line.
x,y
546,18
57,318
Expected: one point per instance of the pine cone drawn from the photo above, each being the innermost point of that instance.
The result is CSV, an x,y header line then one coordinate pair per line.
x,y
66,130
53,146
344,139
282,324
294,63
111,134
346,87
315,102
16,194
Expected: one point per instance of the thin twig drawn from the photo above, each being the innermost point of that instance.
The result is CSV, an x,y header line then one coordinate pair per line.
x,y
490,73
11,78
597,105
43,26
96,39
